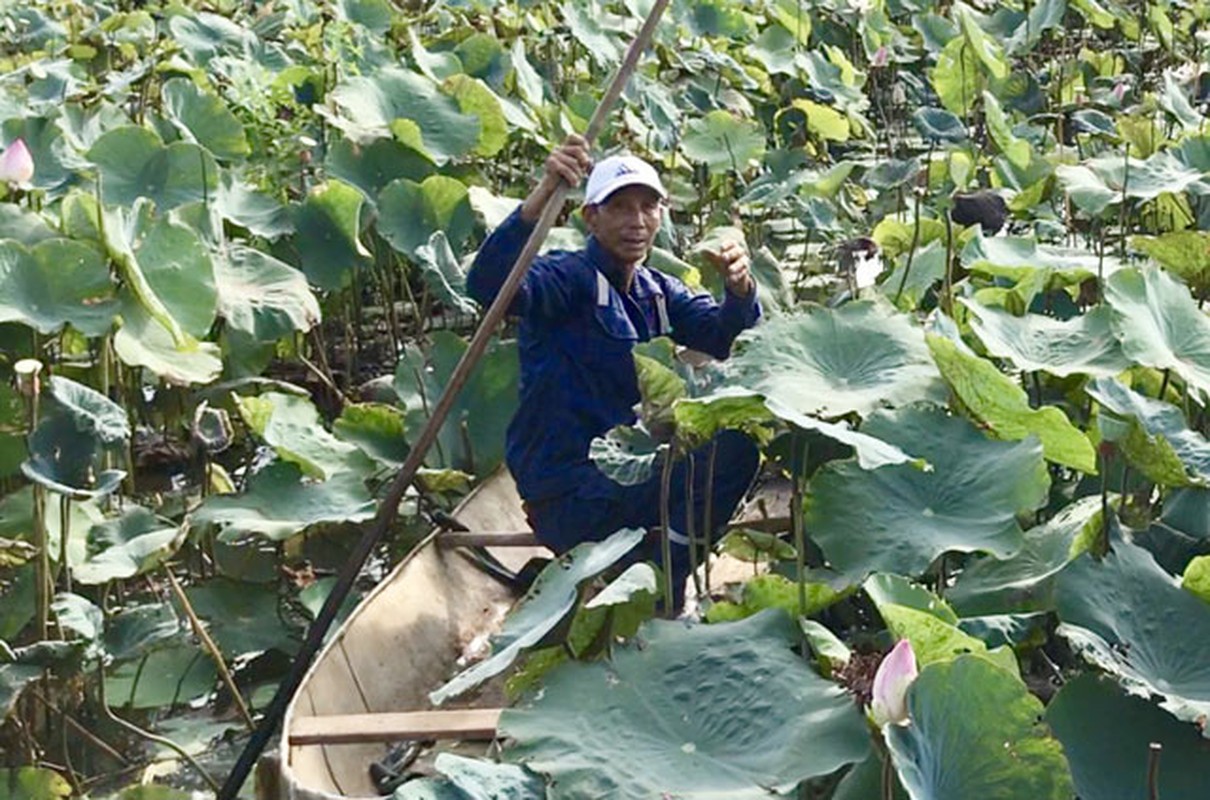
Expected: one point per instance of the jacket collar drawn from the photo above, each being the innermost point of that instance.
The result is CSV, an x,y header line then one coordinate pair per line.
x,y
608,266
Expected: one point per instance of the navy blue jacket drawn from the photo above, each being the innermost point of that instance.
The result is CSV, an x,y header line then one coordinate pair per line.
x,y
575,340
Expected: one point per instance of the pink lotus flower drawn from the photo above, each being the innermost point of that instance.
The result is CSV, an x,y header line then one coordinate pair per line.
x,y
895,674
881,57
16,165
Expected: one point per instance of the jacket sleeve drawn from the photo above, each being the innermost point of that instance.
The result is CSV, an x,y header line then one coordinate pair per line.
x,y
700,322
551,286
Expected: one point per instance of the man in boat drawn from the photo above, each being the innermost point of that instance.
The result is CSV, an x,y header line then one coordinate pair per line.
x,y
581,313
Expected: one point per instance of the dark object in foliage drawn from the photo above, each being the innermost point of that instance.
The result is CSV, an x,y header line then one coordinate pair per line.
x,y
984,207
392,771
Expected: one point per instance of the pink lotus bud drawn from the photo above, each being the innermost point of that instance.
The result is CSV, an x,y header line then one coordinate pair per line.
x,y
881,57
895,674
16,165
1119,91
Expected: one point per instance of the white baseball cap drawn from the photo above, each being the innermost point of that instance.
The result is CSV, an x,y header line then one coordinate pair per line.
x,y
615,172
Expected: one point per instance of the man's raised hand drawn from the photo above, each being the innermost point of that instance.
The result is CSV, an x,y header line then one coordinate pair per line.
x,y
732,262
568,163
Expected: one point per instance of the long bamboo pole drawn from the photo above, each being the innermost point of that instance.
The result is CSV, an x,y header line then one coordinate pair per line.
x,y
386,511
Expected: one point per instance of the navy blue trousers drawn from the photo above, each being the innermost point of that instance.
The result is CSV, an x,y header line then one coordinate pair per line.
x,y
584,515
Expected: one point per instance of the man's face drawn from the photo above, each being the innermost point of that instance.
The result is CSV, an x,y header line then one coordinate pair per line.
x,y
626,223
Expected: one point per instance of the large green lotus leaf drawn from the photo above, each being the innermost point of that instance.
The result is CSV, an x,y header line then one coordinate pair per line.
x,y
279,504
1025,582
1107,737
699,419
1000,407
204,118
168,675
443,274
135,631
370,167
627,455
1159,323
986,48
1102,181
57,282
476,99
262,214
135,543
957,78
1163,435
1185,254
143,342
179,270
377,428
550,601
899,518
410,213
831,362
121,229
776,591
263,297
935,640
724,141
328,226
1129,617
33,783
17,522
976,731
688,711
292,426
241,617
585,25
133,162
939,125
205,35
889,589
66,461
472,438
408,106
1019,258
28,227
474,779
93,414
1082,345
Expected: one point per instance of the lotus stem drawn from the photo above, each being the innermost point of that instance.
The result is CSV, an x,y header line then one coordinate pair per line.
x,y
1153,770
665,529
210,648
708,513
29,385
64,535
888,776
90,737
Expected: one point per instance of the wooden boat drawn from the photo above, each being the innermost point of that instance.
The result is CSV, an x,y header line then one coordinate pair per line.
x,y
369,684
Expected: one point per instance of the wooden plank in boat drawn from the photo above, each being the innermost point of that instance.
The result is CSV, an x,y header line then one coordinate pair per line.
x,y
467,724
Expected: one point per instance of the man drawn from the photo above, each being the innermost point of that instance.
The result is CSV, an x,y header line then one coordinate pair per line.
x,y
581,313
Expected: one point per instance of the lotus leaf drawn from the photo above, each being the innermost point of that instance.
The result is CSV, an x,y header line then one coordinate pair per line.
x,y
472,438
134,162
1129,617
1017,258
241,617
475,98
33,783
1185,254
410,212
1082,345
1000,406
165,677
959,83
1102,181
776,591
1107,736
724,141
1159,324
549,603
831,362
328,225
205,35
627,455
586,27
263,297
1025,582
204,118
279,504
131,545
976,731
443,274
143,342
695,711
889,589
474,779
408,106
1162,435
376,428
939,125
135,631
898,518
66,462
292,426
56,282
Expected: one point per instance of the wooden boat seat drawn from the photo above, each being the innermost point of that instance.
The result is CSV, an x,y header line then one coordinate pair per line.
x,y
467,724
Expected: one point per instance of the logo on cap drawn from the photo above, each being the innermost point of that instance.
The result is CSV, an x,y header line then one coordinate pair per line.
x,y
624,169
